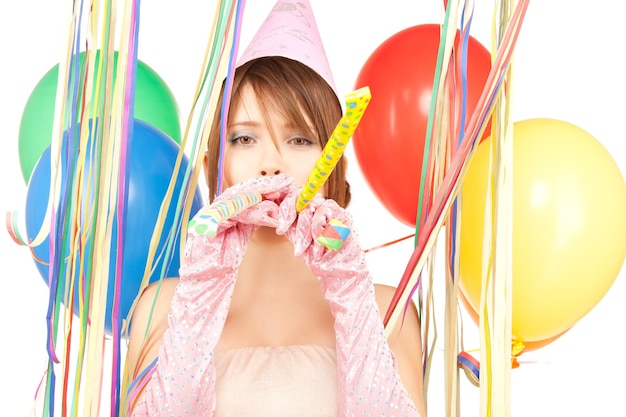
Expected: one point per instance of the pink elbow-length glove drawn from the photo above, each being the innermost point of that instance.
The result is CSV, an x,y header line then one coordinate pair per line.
x,y
369,383
184,379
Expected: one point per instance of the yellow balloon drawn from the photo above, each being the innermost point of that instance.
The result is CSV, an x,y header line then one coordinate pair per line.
x,y
568,223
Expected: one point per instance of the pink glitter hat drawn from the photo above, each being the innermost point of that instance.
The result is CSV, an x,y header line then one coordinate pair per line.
x,y
290,31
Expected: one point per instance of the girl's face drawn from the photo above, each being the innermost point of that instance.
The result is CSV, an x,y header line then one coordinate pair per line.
x,y
252,152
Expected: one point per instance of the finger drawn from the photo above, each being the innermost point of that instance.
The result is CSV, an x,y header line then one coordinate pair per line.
x,y
328,210
288,215
304,233
271,188
265,213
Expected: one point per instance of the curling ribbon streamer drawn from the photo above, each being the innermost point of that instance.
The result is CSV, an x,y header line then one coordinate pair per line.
x,y
12,227
356,103
208,219
223,37
471,367
450,185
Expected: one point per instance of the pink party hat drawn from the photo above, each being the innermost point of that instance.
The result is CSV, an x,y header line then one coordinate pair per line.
x,y
290,31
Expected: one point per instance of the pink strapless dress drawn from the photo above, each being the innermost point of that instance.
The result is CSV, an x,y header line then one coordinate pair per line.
x,y
280,381
277,381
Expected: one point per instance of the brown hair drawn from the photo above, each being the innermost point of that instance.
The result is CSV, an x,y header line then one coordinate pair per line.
x,y
290,88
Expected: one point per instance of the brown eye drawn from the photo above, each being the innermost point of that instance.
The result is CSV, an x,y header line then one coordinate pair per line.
x,y
301,141
245,140
241,140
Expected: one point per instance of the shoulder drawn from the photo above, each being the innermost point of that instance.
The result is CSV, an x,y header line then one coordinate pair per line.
x,y
156,297
384,294
408,327
149,323
158,289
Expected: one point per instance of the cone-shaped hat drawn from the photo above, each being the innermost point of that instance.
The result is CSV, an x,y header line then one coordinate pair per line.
x,y
290,31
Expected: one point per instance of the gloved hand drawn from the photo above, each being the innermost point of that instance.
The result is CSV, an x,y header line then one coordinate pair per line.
x,y
184,380
369,382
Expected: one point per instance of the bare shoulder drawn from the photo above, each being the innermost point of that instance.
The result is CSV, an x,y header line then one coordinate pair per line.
x,y
408,326
149,323
384,294
405,340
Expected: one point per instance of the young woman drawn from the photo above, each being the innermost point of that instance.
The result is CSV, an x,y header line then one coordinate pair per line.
x,y
265,321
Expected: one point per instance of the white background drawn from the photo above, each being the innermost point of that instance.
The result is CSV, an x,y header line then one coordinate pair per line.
x,y
568,65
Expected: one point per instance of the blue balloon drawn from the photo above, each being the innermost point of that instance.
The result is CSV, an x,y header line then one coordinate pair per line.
x,y
151,163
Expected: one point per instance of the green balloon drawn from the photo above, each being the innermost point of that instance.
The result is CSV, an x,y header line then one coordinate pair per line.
x,y
154,104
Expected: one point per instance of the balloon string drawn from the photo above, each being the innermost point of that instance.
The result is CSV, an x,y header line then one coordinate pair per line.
x,y
393,242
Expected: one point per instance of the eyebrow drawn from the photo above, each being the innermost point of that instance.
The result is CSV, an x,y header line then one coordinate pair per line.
x,y
254,123
245,123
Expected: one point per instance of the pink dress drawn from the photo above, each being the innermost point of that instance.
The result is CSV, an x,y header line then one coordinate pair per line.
x,y
279,381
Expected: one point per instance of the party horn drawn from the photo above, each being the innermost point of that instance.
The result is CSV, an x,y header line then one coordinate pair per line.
x,y
356,103
208,219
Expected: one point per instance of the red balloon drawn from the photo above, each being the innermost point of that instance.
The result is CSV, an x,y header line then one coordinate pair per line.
x,y
389,142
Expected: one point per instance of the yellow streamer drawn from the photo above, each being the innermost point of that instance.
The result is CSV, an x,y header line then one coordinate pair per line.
x,y
495,305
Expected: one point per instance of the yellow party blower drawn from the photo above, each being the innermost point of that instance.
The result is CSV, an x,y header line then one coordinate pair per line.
x,y
356,103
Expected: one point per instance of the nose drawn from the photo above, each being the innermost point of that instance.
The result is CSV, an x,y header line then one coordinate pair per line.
x,y
271,160
270,172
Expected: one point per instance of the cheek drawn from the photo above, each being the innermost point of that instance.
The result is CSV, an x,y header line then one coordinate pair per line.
x,y
236,169
303,169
